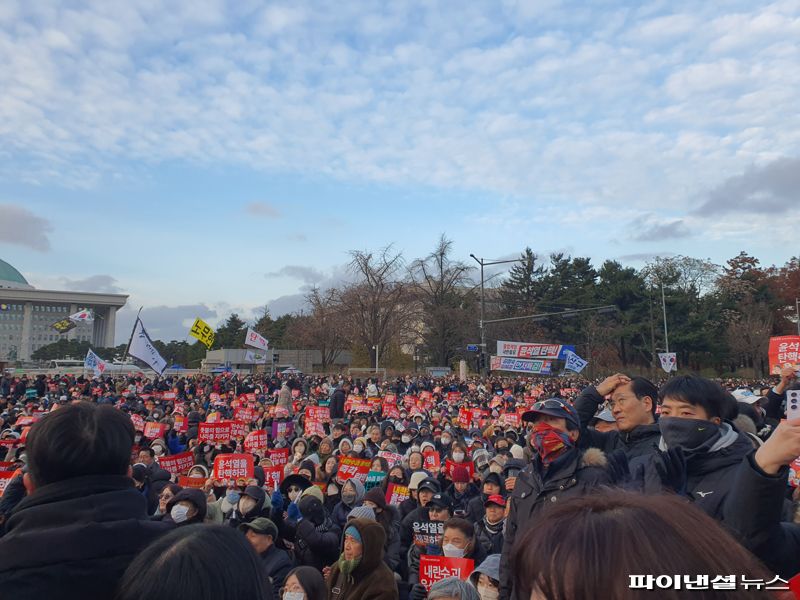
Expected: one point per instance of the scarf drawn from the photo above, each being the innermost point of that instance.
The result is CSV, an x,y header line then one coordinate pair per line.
x,y
549,442
493,528
346,567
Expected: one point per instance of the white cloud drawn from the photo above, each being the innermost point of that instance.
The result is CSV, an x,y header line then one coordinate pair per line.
x,y
262,209
21,227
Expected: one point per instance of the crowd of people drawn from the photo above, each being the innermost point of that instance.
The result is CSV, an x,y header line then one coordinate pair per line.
x,y
333,488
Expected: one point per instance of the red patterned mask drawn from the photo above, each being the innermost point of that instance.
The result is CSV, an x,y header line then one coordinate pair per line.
x,y
549,441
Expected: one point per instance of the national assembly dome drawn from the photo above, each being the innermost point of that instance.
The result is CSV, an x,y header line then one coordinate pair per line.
x,y
10,278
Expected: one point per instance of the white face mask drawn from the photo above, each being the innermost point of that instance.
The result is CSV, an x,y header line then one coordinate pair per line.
x,y
488,593
294,596
179,513
293,496
446,441
458,456
453,551
358,448
246,504
406,439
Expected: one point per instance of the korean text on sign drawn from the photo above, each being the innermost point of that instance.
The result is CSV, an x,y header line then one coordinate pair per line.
x,y
233,466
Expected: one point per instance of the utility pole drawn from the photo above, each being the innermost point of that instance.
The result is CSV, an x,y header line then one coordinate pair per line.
x,y
481,324
664,309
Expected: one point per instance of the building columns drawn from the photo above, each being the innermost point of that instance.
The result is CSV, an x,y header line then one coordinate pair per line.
x,y
111,326
25,343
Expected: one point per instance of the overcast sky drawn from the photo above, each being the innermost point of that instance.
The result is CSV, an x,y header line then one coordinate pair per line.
x,y
208,156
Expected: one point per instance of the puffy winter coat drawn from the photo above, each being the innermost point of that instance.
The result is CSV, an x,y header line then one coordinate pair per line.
x,y
371,579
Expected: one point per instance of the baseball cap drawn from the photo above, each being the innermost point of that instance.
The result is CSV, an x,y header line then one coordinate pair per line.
x,y
261,525
416,478
429,483
605,415
495,499
553,407
441,501
745,395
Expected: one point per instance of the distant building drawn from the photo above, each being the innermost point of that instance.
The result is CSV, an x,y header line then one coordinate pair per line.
x,y
307,361
26,315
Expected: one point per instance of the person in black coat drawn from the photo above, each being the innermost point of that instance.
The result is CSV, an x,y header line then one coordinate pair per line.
x,y
317,536
83,522
491,485
559,470
262,534
755,506
338,399
633,404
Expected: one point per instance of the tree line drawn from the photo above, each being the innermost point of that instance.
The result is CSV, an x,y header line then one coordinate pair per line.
x,y
424,312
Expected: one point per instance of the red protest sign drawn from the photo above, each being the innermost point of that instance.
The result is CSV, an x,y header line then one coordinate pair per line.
x,y
273,477
313,428
512,419
360,407
453,396
396,494
244,415
238,429
390,398
170,396
431,461
451,464
255,440
25,421
5,478
153,431
233,466
6,465
784,351
464,418
321,414
436,568
191,482
214,432
181,425
391,457
177,464
353,468
279,456
138,422
389,410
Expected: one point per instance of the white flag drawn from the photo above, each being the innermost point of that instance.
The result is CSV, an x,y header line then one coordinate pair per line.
x,y
575,362
669,361
82,316
143,349
94,363
255,340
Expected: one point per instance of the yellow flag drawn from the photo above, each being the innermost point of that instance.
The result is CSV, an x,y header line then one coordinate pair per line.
x,y
202,332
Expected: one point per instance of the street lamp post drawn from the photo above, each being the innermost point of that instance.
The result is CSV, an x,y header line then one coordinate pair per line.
x,y
375,347
484,263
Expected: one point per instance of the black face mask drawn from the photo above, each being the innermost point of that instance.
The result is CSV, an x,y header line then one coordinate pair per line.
x,y
688,434
395,479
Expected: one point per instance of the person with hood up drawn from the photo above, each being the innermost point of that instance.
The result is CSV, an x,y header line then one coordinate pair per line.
x,y
389,518
316,535
360,573
486,578
633,404
491,485
187,507
352,496
252,503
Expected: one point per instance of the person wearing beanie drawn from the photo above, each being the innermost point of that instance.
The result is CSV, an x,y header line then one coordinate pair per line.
x,y
316,535
518,452
360,573
462,490
412,503
251,504
361,512
389,518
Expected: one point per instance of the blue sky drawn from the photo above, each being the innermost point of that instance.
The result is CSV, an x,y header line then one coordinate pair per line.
x,y
209,156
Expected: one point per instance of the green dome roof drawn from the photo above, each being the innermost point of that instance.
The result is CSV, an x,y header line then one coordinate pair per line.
x,y
9,273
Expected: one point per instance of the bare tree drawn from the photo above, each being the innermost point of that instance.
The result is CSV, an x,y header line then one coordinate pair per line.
x,y
324,328
378,306
440,287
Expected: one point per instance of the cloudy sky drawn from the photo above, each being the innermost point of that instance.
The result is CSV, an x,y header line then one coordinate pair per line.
x,y
209,156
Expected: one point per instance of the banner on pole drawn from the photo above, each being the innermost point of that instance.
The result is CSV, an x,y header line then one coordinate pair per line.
x,y
669,361
575,362
255,340
529,350
202,331
784,351
94,363
520,365
142,348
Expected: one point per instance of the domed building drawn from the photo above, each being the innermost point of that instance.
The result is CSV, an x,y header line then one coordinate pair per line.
x,y
27,315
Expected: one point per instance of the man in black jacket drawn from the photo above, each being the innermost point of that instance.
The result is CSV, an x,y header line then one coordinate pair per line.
x,y
633,404
338,400
82,521
560,470
262,533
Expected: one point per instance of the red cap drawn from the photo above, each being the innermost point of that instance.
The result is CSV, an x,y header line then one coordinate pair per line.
x,y
495,499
